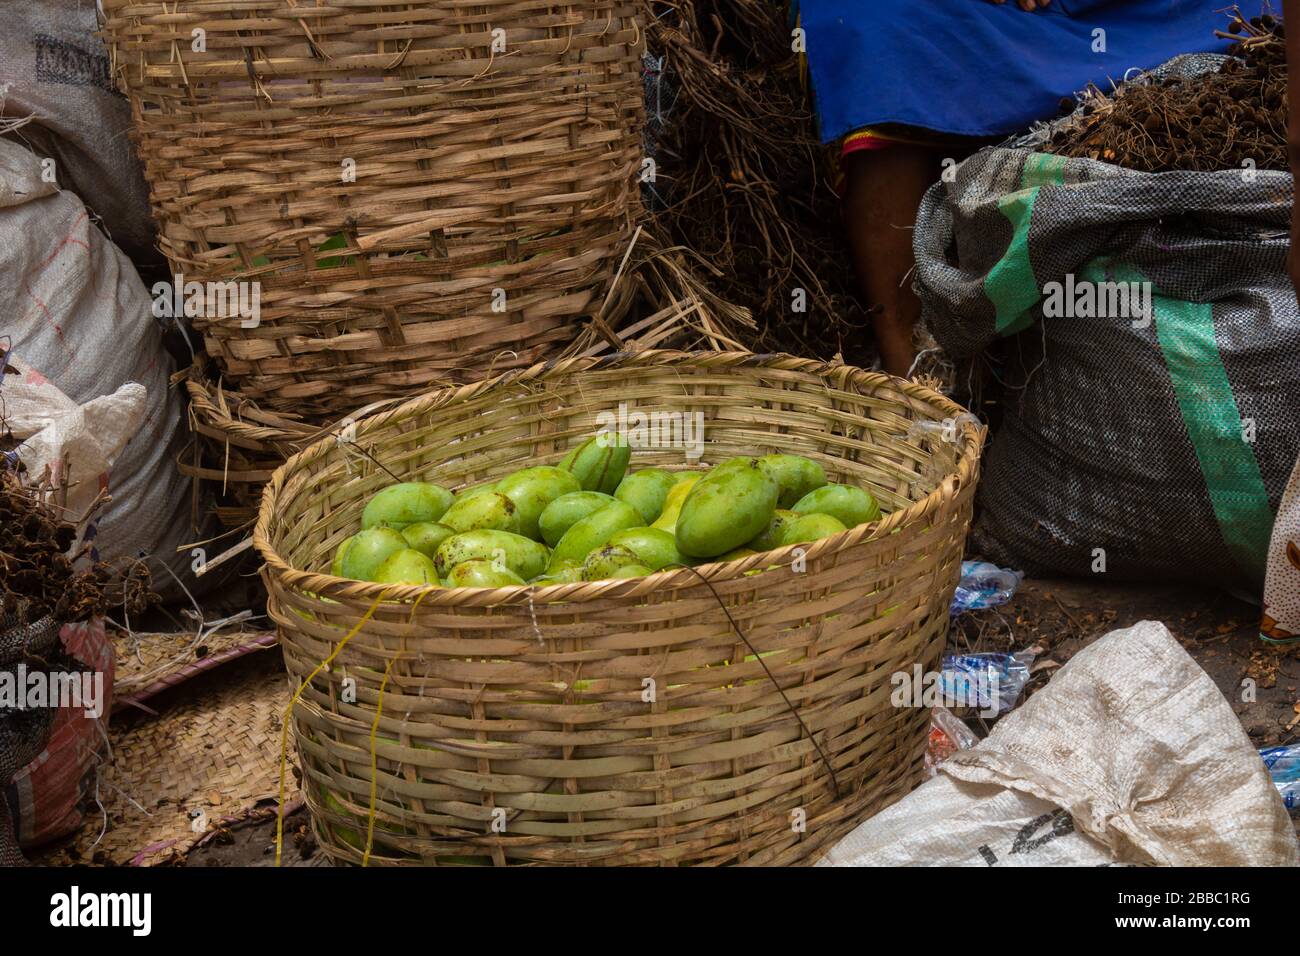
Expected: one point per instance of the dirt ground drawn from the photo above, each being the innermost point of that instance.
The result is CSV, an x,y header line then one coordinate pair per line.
x,y
1060,617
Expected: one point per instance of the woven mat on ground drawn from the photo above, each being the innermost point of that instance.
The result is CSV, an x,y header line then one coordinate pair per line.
x,y
149,663
208,759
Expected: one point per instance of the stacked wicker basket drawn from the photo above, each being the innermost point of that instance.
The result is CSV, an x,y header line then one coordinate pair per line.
x,y
511,725
427,191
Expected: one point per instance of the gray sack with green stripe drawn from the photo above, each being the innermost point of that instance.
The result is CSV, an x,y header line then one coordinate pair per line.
x,y
1167,446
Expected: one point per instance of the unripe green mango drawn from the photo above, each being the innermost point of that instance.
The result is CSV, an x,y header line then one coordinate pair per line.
x,y
406,503
564,575
474,490
632,571
593,532
599,463
810,527
369,549
407,566
769,539
849,504
667,520
488,510
603,563
479,573
727,507
532,489
426,536
796,475
521,555
653,547
735,554
646,490
562,513
336,566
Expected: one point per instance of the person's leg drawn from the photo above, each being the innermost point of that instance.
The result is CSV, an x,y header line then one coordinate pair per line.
x,y
882,192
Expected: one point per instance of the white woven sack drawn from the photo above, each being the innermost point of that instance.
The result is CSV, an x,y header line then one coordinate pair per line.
x,y
1130,755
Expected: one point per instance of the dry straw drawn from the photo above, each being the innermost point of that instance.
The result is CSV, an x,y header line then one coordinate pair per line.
x,y
495,149
514,725
238,446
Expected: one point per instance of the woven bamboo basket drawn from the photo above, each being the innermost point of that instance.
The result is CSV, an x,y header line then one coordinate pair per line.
x,y
427,192
512,725
236,447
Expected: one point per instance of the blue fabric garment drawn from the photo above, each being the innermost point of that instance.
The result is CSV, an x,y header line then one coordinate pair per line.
x,y
977,68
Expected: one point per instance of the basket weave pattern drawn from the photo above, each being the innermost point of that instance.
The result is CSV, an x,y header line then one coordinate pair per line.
x,y
495,150
526,706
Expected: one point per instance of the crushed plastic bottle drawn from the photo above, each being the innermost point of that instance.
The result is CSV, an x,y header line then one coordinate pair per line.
x,y
992,682
948,734
1283,765
983,585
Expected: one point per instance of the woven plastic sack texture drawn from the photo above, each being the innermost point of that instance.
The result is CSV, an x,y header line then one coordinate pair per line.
x,y
55,72
1156,450
47,795
22,732
1130,755
75,309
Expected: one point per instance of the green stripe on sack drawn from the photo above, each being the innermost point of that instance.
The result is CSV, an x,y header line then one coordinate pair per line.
x,y
1185,334
1010,285
1185,331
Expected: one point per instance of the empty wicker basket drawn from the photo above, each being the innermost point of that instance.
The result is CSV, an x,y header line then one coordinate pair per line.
x,y
511,725
427,192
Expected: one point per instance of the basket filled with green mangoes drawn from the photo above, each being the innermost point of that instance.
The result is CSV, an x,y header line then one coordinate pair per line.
x,y
590,518
649,604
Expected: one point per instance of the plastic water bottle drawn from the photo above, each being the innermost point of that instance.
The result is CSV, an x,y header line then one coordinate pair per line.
x,y
1283,765
983,585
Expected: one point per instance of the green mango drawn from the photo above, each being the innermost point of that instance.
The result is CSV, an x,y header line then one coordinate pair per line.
x,y
407,566
370,549
727,507
603,563
770,537
488,510
735,554
632,571
406,503
593,532
599,463
667,520
796,475
810,527
336,567
532,489
562,513
425,536
479,573
851,505
564,575
645,490
523,556
474,491
653,547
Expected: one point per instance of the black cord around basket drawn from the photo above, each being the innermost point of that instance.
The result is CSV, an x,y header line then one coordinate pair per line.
x,y
835,782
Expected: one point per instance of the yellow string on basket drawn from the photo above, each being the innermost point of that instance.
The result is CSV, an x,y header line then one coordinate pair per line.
x,y
374,766
288,712
374,760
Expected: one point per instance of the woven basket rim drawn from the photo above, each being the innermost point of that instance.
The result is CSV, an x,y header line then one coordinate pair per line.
x,y
206,403
666,580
